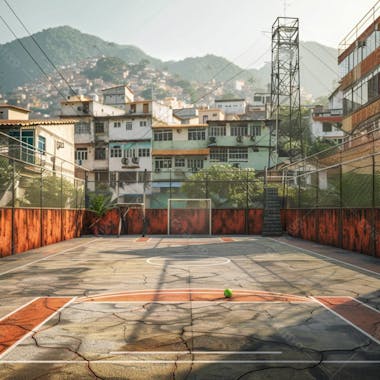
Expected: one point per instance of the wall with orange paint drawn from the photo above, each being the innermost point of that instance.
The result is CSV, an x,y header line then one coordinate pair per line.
x,y
34,228
353,229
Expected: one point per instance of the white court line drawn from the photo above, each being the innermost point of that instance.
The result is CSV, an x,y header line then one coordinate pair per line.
x,y
193,291
365,304
347,321
202,302
325,257
226,261
189,361
195,352
19,308
45,258
35,329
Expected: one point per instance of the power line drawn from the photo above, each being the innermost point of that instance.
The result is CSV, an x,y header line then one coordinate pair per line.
x,y
31,56
41,49
320,60
232,77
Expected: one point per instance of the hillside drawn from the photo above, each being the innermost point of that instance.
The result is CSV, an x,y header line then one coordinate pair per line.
x,y
66,45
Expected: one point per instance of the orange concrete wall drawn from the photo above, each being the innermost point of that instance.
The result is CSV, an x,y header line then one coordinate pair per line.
x,y
353,229
57,225
224,221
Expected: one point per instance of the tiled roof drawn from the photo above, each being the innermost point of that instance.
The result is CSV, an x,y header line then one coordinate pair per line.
x,y
37,122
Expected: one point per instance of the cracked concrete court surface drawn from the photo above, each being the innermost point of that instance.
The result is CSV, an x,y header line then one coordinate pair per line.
x,y
153,308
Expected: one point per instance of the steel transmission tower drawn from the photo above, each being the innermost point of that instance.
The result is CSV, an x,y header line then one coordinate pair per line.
x,y
285,90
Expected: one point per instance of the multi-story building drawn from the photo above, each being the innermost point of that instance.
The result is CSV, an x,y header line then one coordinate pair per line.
x,y
241,143
114,143
38,139
231,106
206,114
326,124
118,96
181,150
359,58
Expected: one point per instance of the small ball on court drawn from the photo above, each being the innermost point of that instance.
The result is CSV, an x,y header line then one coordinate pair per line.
x,y
227,293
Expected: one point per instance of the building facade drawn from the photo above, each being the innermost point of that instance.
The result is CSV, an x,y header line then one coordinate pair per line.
x,y
359,59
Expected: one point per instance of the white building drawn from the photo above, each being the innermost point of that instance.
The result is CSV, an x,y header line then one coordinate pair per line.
x,y
118,96
232,106
46,142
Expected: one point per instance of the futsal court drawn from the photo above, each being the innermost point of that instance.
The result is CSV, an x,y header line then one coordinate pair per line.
x,y
153,308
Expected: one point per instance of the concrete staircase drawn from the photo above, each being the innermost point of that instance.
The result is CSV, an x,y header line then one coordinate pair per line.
x,y
272,219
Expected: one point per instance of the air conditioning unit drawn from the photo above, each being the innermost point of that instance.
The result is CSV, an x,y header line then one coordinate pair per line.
x,y
211,140
135,160
252,138
125,161
194,169
239,139
157,170
255,148
78,162
236,165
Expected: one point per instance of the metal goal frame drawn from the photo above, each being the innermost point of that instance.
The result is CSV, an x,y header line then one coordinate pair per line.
x,y
208,200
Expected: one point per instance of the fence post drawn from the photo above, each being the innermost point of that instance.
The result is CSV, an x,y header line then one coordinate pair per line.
x,y
41,211
341,204
61,201
13,248
247,204
373,226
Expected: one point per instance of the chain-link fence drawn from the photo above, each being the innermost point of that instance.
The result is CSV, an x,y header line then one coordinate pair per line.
x,y
36,179
346,176
233,189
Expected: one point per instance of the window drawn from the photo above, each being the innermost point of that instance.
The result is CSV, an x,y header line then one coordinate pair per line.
x,y
42,144
127,177
100,153
218,154
99,127
197,134
163,135
117,124
239,130
101,176
238,154
130,152
133,108
143,123
145,107
255,130
195,163
81,154
326,127
128,125
214,115
205,118
218,131
144,152
179,162
82,128
116,151
162,162
144,177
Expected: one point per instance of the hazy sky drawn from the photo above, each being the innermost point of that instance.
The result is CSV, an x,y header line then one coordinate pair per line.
x,y
175,29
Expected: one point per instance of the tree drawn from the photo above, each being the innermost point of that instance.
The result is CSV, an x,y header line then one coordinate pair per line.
x,y
56,192
226,185
5,181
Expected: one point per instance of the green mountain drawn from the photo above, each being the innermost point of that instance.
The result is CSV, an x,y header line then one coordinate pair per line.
x,y
65,45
